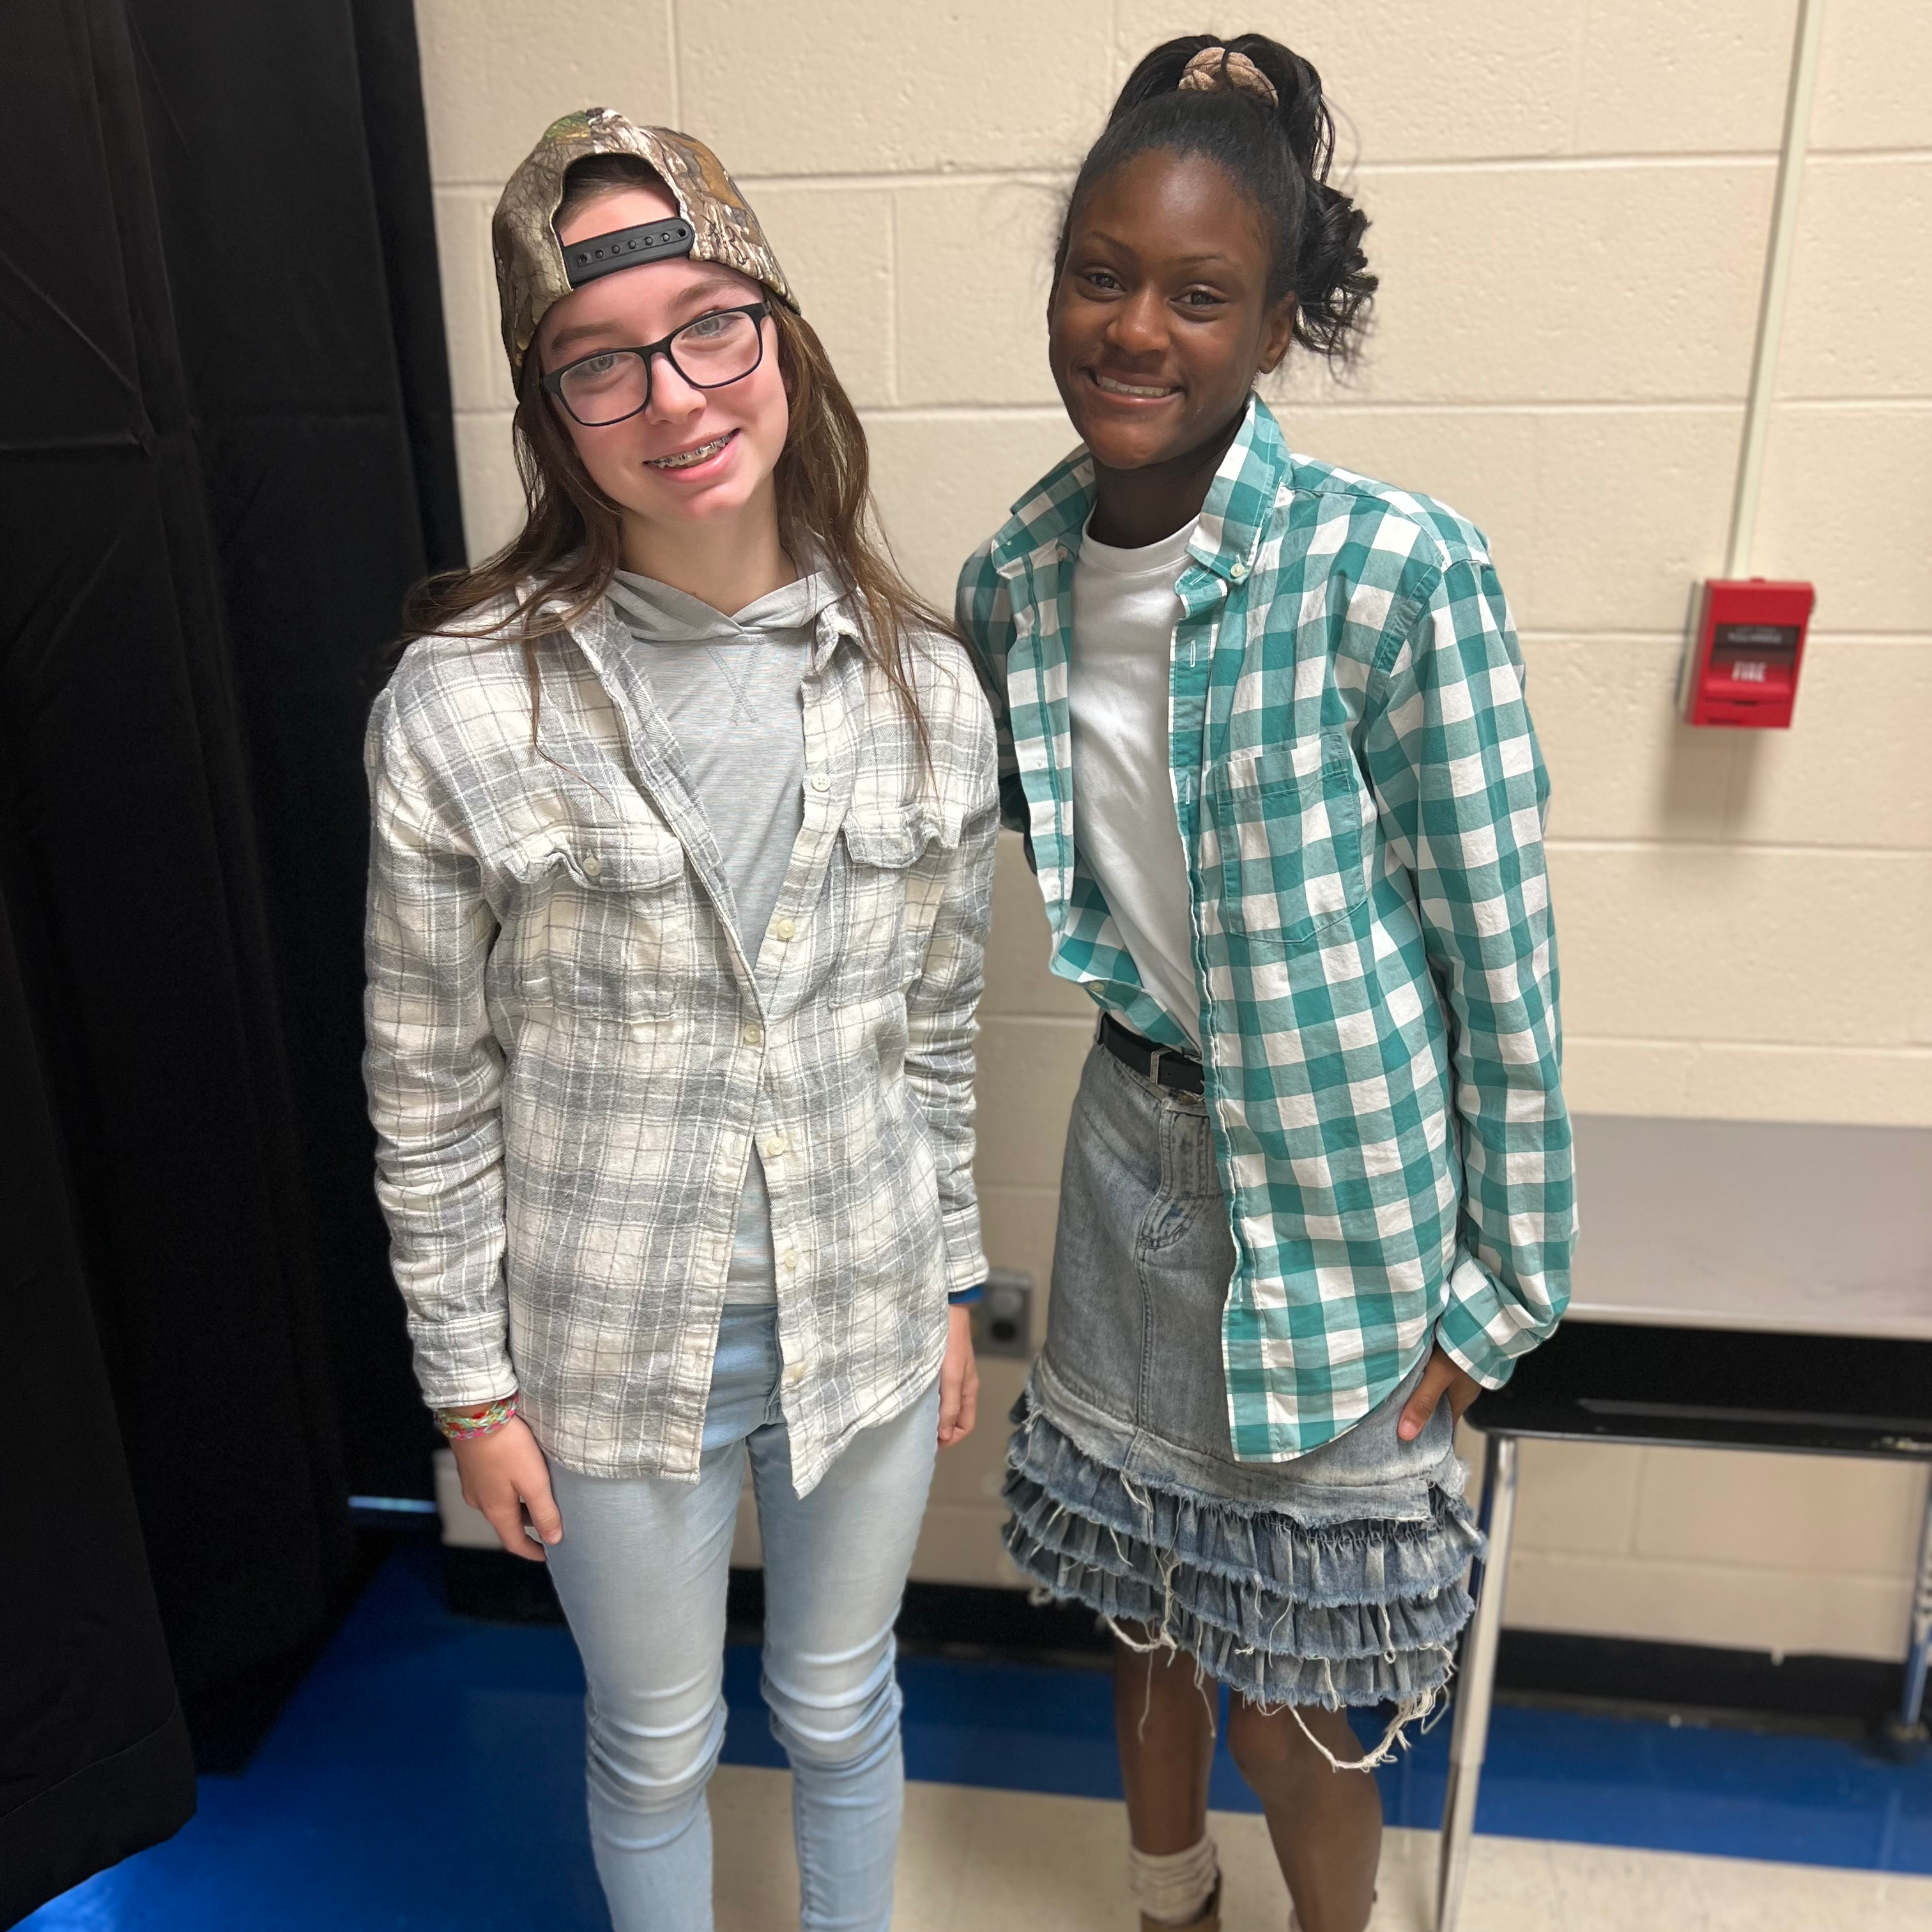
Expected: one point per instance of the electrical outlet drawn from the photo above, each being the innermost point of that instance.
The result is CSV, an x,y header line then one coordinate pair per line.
x,y
1003,1320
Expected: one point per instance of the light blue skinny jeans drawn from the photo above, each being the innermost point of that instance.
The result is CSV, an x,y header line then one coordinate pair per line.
x,y
641,1572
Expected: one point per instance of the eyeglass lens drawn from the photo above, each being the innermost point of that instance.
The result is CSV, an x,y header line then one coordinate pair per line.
x,y
708,353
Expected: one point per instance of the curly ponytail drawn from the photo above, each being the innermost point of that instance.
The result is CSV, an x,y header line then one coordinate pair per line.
x,y
1278,152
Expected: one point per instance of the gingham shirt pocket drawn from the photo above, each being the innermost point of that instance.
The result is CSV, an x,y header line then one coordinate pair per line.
x,y
1288,820
602,922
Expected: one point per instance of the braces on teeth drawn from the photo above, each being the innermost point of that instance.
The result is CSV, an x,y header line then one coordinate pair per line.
x,y
688,457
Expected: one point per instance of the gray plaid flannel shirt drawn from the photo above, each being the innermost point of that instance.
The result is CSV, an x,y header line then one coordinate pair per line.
x,y
570,1056
1361,794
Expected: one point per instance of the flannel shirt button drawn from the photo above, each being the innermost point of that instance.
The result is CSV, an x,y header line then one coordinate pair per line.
x,y
795,1374
784,929
774,1145
754,1033
820,782
1238,571
789,1259
592,865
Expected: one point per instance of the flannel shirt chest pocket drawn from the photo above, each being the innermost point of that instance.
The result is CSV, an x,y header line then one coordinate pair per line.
x,y
888,879
602,925
1290,824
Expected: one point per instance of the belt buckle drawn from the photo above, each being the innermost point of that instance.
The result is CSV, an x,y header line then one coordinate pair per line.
x,y
1159,1054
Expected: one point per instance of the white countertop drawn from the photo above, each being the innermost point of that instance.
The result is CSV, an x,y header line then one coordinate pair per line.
x,y
1735,1224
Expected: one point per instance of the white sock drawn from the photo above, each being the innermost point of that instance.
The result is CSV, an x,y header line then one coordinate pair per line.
x,y
1172,1890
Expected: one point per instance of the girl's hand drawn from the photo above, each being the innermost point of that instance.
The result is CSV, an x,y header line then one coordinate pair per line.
x,y
505,1476
1442,1376
958,1380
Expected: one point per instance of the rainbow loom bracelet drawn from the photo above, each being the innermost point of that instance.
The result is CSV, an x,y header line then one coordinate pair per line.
x,y
460,1428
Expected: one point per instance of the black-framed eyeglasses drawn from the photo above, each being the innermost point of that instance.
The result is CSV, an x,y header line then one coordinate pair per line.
x,y
723,345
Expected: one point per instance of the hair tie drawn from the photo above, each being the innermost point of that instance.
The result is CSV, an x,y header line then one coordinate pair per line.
x,y
1214,68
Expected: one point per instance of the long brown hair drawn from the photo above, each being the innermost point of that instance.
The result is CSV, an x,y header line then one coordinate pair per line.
x,y
555,569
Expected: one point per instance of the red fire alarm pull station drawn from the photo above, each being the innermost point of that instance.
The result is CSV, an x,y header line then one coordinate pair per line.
x,y
1742,666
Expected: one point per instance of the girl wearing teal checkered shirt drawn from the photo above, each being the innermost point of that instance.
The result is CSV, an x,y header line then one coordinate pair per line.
x,y
1262,729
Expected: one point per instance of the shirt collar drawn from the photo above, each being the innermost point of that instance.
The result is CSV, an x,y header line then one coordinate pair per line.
x,y
1239,501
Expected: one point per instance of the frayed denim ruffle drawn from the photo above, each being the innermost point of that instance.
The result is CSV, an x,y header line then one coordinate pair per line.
x,y
1283,1611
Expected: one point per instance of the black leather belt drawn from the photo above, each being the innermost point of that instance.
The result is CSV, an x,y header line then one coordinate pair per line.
x,y
1177,1072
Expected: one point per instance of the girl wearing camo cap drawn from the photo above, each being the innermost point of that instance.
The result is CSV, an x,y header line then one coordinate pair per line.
x,y
684,820
1262,725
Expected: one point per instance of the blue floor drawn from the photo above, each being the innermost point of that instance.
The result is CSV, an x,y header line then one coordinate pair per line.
x,y
428,1775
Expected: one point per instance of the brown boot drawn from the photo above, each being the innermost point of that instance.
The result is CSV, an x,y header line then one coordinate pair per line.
x,y
1210,1920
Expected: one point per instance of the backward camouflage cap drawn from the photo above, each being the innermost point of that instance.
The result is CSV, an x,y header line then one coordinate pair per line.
x,y
530,271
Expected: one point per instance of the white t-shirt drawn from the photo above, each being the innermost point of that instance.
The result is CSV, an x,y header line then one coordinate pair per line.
x,y
1125,608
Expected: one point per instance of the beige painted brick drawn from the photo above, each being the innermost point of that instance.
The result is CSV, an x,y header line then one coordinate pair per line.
x,y
496,73
1860,293
1017,978
1724,1080
1632,510
1407,90
1658,77
1703,942
1305,381
1847,505
486,471
479,377
1728,1081
1028,1071
1834,1515
1580,1498
1785,1611
1623,1076
1875,77
1573,284
944,484
836,246
976,267
849,87
1596,518
1621,763
1019,1225
1853,769
959,1543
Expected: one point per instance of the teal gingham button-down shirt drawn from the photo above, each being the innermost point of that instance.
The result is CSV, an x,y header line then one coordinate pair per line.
x,y
1362,800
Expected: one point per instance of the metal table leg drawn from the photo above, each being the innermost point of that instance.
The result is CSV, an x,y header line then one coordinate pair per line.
x,y
1476,1679
1905,1734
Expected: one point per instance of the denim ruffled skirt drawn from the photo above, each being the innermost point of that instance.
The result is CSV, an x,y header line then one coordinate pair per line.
x,y
1336,1578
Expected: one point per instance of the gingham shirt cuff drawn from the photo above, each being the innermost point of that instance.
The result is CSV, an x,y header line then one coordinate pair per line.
x,y
1463,1339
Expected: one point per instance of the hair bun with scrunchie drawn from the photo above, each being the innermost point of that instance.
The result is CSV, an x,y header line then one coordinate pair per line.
x,y
1214,68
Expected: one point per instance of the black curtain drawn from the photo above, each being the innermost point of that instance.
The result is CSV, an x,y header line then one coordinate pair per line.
x,y
225,453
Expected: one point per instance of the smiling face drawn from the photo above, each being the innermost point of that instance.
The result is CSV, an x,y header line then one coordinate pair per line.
x,y
691,456
1158,322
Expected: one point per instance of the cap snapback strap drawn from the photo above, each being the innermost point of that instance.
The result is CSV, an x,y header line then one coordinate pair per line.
x,y
624,248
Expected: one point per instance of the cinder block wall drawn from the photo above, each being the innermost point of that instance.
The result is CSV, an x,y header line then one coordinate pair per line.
x,y
1570,200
